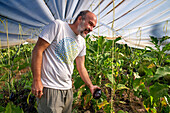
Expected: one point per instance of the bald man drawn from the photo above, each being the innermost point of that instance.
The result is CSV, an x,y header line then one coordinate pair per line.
x,y
59,44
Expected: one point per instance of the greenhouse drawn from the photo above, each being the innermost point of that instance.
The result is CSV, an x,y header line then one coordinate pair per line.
x,y
112,56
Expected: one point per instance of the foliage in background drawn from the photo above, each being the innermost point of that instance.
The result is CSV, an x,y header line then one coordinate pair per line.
x,y
156,76
141,72
118,69
16,80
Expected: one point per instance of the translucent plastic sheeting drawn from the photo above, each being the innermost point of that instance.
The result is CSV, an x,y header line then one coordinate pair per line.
x,y
134,20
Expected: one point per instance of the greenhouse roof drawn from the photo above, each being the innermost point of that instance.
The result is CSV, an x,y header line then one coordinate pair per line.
x,y
134,20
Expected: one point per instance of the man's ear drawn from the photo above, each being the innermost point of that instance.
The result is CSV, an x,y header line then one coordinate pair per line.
x,y
79,19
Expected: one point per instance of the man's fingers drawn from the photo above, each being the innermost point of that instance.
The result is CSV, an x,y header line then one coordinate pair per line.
x,y
37,89
33,91
38,93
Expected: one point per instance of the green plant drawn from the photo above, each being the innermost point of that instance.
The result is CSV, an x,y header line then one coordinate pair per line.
x,y
16,85
158,55
97,57
152,85
104,71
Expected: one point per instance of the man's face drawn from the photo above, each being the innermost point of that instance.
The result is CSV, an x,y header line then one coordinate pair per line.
x,y
87,24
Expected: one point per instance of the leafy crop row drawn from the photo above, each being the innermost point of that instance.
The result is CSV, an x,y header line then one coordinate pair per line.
x,y
120,71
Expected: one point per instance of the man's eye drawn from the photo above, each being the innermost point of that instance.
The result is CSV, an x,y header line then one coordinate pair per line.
x,y
91,23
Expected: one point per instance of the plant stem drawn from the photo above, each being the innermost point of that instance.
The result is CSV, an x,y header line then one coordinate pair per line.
x,y
9,72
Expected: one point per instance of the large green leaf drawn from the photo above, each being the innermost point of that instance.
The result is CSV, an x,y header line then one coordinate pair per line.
x,y
164,38
166,47
111,78
150,55
5,65
158,90
104,57
120,111
4,76
136,83
121,86
109,85
101,41
149,47
2,109
102,104
1,96
11,108
24,65
17,59
91,49
108,45
161,72
78,82
117,39
154,40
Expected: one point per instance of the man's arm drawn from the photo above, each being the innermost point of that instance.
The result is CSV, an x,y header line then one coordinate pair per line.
x,y
37,87
84,74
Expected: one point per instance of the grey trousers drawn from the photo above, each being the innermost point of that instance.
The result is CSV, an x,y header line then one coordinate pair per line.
x,y
55,101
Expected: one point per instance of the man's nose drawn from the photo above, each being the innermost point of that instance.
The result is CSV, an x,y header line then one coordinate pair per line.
x,y
91,28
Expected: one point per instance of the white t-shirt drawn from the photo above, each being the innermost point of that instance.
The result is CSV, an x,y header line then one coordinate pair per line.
x,y
58,58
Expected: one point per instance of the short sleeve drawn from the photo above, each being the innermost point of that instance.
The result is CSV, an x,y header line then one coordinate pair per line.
x,y
49,31
83,51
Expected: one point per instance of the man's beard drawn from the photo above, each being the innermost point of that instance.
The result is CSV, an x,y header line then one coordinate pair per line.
x,y
82,34
81,29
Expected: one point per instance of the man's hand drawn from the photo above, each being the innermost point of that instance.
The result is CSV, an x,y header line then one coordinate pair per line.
x,y
93,88
37,88
84,74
